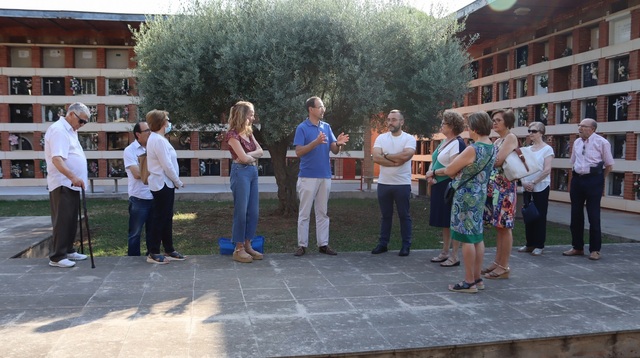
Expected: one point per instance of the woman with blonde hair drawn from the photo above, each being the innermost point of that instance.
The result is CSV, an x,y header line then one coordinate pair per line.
x,y
245,151
536,190
162,162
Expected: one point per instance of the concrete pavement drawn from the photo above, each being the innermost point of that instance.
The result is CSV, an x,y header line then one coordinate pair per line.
x,y
354,304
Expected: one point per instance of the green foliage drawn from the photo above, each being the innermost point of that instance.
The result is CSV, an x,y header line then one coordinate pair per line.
x,y
362,58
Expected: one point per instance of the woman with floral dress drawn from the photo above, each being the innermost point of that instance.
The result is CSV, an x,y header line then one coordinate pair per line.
x,y
500,208
474,163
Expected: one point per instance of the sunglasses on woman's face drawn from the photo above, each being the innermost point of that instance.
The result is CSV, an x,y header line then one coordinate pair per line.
x,y
533,131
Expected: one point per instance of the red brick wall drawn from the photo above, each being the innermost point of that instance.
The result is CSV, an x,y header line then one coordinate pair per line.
x,y
5,57
102,115
557,45
36,86
100,86
4,114
581,40
36,56
635,24
37,113
4,85
603,41
101,61
69,57
631,146
634,58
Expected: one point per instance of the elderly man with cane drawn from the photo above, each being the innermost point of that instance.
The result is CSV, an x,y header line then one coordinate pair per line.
x,y
67,176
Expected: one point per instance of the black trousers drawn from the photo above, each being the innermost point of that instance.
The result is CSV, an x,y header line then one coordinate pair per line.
x,y
536,231
586,189
65,204
162,222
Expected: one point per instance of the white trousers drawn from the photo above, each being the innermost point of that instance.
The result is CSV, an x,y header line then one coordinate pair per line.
x,y
313,192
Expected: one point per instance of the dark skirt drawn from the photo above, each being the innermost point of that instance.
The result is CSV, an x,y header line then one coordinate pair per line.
x,y
440,215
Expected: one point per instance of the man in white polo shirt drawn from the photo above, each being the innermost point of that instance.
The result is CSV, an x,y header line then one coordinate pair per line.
x,y
66,175
140,198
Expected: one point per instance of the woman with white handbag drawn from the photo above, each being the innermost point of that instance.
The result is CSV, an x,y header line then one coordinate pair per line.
x,y
536,191
500,207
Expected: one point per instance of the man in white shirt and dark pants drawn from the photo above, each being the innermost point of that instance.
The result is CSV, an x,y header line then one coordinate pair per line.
x,y
140,198
67,174
393,152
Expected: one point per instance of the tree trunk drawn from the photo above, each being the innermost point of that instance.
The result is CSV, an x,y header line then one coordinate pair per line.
x,y
286,173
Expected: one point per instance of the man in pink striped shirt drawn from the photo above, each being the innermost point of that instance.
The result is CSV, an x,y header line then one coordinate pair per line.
x,y
592,161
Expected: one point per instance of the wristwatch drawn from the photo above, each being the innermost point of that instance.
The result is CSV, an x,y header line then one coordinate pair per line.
x,y
385,155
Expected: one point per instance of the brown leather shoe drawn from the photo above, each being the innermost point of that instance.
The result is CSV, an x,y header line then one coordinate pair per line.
x,y
573,252
327,250
300,251
595,255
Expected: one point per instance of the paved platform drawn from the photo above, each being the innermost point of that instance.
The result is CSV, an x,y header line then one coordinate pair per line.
x,y
210,306
354,304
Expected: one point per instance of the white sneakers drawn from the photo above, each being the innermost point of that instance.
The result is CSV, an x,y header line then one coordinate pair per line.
x,y
76,256
62,263
68,262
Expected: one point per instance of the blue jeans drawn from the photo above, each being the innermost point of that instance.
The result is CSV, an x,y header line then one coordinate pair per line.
x,y
140,213
400,195
244,186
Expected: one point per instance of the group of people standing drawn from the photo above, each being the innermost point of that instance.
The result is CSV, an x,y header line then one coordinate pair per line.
x,y
483,194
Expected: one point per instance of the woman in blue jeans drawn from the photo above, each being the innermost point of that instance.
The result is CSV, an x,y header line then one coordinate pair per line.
x,y
245,152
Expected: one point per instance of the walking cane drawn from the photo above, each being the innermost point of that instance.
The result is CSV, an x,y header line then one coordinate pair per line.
x,y
86,224
80,222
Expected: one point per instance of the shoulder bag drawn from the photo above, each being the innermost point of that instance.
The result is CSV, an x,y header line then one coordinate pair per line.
x,y
144,169
450,191
520,163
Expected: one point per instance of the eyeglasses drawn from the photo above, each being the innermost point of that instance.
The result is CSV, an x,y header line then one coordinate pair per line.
x,y
319,107
146,130
81,120
533,131
584,126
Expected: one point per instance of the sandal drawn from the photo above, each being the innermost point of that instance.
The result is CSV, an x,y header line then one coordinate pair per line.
x,y
450,262
480,284
464,287
440,258
494,265
498,276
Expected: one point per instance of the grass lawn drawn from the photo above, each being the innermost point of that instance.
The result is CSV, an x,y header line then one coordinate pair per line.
x,y
355,224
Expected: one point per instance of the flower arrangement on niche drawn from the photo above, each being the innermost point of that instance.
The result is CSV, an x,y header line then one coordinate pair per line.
x,y
567,52
636,186
545,58
544,81
622,71
76,87
13,139
594,71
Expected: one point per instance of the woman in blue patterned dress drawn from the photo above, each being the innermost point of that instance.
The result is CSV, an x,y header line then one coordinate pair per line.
x,y
475,162
500,210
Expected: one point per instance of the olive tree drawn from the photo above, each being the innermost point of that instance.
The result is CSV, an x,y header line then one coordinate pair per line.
x,y
361,58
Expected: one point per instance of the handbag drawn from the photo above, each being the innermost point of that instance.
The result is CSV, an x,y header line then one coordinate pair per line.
x,y
144,169
456,139
450,191
520,163
530,213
